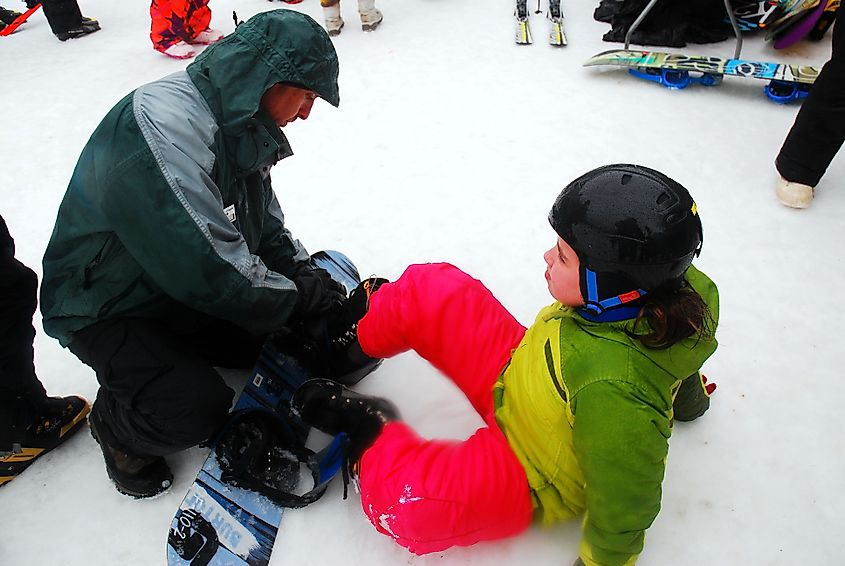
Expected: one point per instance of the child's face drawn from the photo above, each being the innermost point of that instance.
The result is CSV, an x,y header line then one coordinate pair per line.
x,y
562,274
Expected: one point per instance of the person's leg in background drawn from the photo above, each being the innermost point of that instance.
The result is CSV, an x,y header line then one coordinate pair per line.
x,y
66,20
818,131
31,423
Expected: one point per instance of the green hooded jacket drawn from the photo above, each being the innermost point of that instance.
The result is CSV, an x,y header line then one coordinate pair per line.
x,y
170,212
588,411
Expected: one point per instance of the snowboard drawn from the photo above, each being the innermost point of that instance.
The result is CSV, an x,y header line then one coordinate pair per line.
x,y
752,15
801,28
219,523
18,21
825,21
792,11
787,82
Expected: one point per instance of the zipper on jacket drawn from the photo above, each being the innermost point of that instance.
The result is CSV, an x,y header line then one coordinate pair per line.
x,y
550,362
91,265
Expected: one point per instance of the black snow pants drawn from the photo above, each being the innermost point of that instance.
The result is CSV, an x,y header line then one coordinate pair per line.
x,y
62,15
819,128
159,392
20,391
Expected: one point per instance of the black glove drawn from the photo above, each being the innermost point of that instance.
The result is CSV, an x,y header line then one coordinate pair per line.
x,y
317,292
30,3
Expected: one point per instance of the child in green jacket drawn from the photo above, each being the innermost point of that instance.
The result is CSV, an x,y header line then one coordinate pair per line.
x,y
578,407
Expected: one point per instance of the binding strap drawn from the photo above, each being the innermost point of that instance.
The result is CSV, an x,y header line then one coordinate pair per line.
x,y
261,451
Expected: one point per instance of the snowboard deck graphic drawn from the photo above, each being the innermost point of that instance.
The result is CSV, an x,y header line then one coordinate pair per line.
x,y
221,524
705,64
801,28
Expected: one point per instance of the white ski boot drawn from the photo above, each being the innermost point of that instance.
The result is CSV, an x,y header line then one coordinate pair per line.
x,y
370,16
793,195
334,23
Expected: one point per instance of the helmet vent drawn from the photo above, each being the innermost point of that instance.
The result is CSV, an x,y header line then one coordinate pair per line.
x,y
675,217
663,198
626,178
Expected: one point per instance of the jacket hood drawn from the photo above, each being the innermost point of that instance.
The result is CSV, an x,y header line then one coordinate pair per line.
x,y
279,46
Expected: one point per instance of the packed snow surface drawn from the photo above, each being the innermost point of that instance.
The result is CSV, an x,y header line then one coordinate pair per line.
x,y
451,144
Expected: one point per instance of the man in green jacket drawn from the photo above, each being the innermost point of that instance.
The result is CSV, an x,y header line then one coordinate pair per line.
x,y
170,255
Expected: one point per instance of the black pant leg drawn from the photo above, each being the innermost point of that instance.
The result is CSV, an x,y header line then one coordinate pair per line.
x,y
20,391
224,344
62,15
819,128
156,394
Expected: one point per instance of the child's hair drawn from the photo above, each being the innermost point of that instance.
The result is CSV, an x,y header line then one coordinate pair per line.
x,y
671,316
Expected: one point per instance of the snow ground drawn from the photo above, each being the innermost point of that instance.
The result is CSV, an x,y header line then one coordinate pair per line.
x,y
451,144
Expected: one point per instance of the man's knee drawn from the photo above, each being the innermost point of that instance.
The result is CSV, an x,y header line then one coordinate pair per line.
x,y
197,415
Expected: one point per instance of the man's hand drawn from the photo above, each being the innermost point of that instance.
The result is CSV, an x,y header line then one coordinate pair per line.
x,y
317,292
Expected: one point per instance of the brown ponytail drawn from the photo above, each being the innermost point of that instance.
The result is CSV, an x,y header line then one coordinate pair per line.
x,y
672,316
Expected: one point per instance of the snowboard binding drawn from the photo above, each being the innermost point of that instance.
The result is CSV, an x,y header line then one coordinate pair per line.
x,y
258,450
675,79
781,92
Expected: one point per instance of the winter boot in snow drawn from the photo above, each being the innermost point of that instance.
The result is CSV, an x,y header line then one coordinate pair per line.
x,y
179,50
334,408
136,476
334,23
370,16
8,16
87,26
793,195
329,347
693,398
54,422
207,37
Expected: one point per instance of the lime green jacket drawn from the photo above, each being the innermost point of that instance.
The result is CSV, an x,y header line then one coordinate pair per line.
x,y
588,412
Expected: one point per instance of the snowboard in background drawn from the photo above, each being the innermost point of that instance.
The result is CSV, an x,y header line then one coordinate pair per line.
x,y
789,12
18,21
751,15
825,21
800,29
787,82
218,523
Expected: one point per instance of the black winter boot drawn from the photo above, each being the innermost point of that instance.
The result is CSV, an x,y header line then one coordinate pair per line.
x,y
56,419
136,476
693,398
88,25
334,408
329,347
8,16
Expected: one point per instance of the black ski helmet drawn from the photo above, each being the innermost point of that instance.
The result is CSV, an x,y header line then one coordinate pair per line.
x,y
629,221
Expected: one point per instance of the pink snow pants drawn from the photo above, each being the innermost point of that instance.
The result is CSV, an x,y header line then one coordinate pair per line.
x,y
429,495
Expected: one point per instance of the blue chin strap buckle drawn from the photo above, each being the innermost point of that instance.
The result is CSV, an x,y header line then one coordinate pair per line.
x,y
611,309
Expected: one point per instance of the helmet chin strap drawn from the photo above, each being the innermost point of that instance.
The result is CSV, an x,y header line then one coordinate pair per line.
x,y
611,309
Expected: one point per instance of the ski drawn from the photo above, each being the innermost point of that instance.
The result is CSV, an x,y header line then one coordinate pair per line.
x,y
672,70
556,35
523,29
18,21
